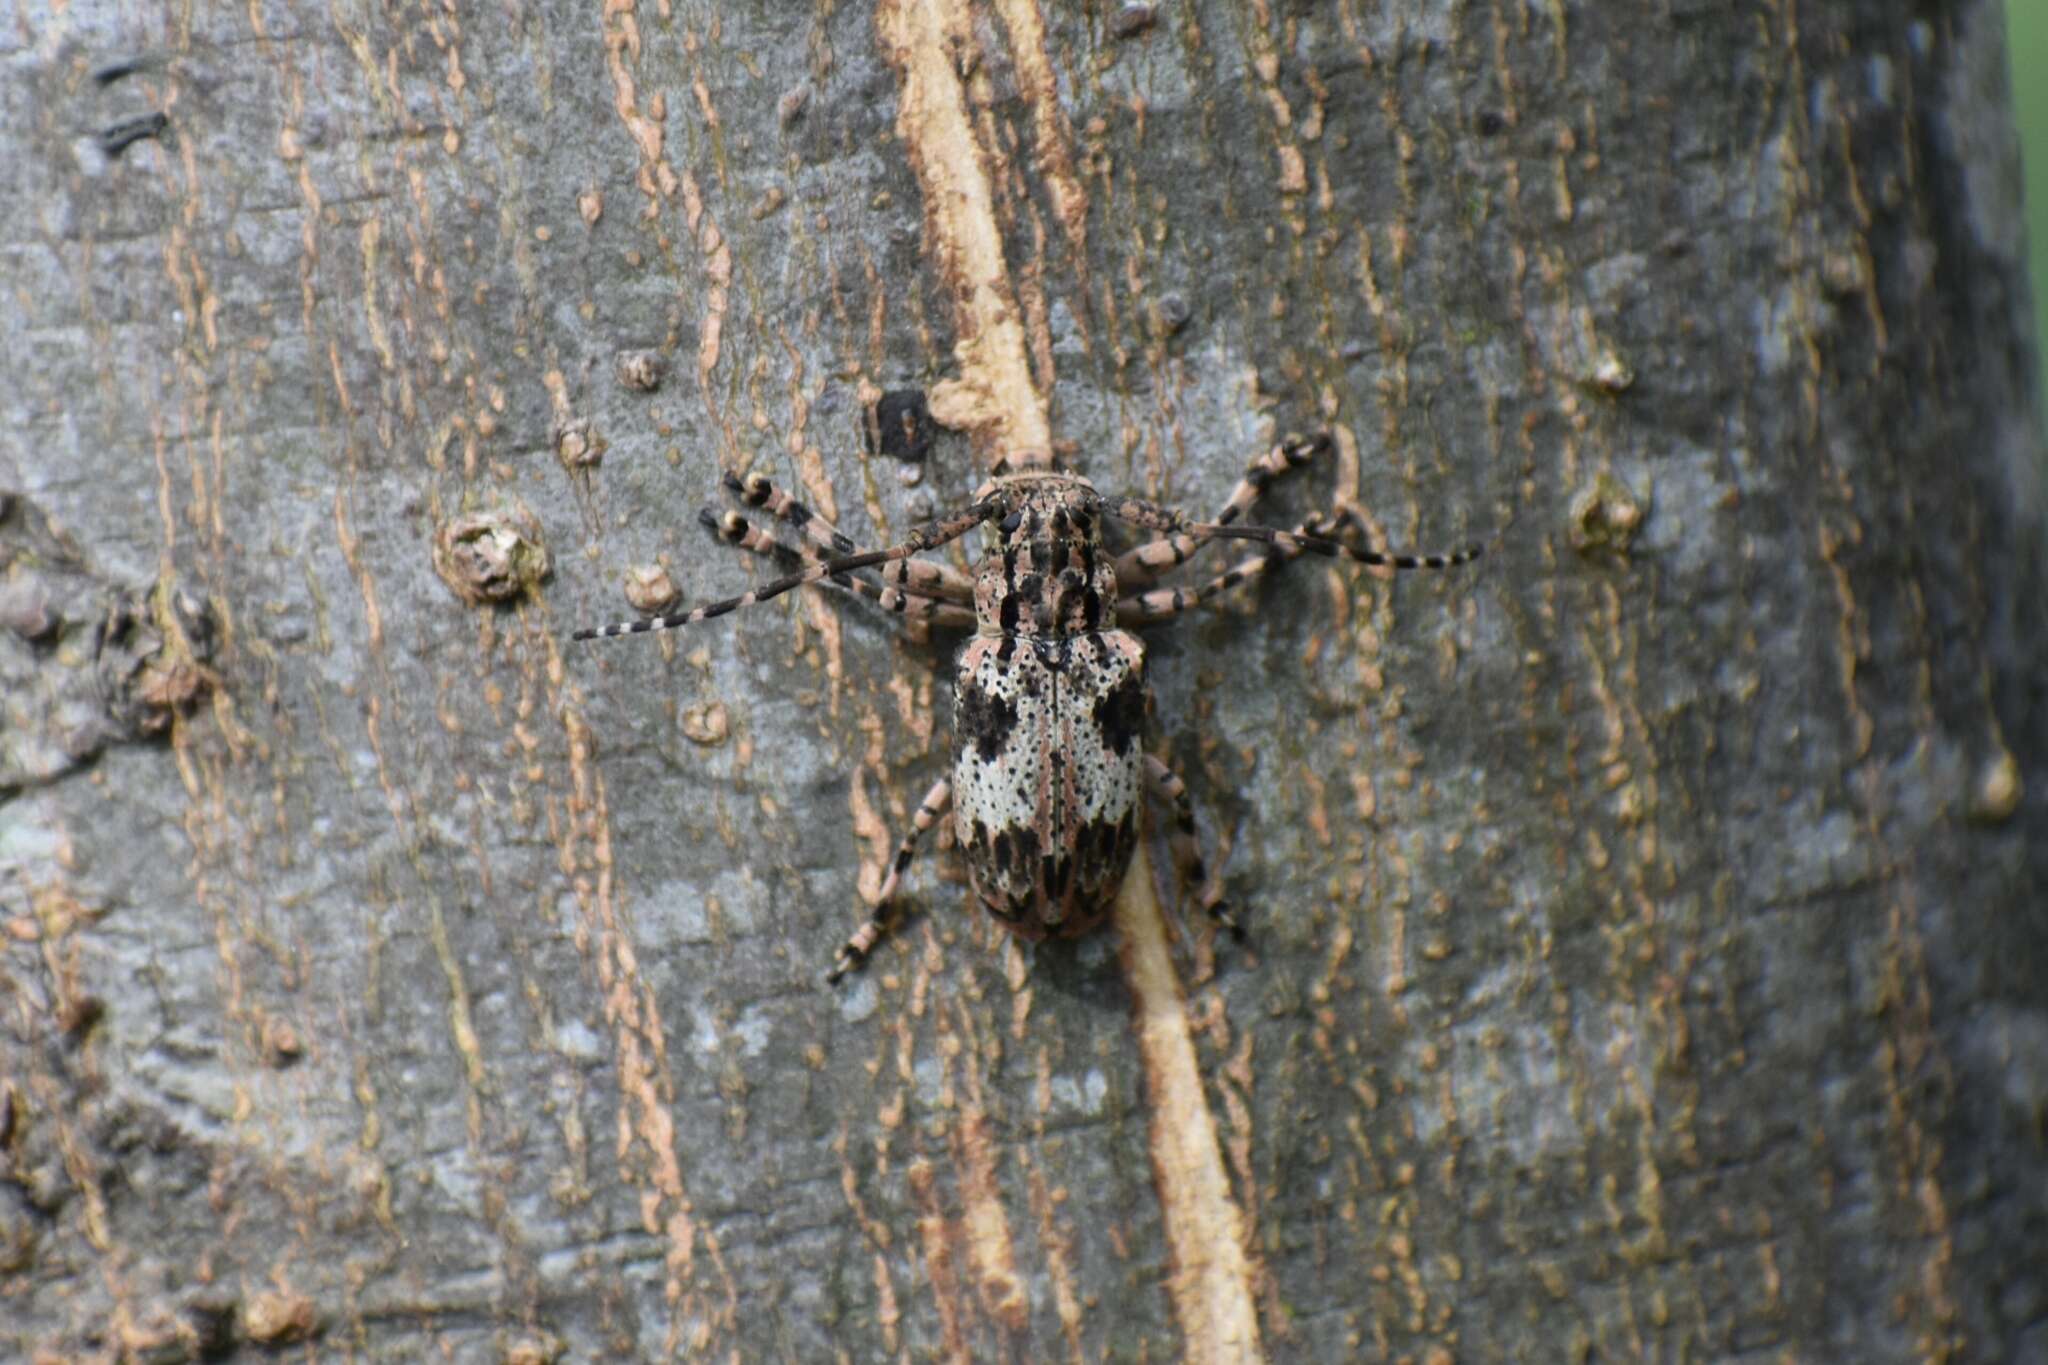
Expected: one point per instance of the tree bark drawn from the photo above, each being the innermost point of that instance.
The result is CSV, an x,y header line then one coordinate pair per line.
x,y
1647,952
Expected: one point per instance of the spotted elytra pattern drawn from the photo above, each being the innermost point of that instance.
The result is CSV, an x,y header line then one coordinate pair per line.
x,y
1049,696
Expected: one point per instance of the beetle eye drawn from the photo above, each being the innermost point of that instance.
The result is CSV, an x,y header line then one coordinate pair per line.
x,y
1009,524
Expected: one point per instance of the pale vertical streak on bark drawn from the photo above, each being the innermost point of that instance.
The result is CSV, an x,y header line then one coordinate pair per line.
x,y
1052,140
994,395
1210,1289
1211,1284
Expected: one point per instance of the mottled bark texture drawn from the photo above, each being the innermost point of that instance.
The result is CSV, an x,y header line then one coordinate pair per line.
x,y
1647,948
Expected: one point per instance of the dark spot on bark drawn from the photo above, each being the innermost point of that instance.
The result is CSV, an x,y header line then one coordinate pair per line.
x,y
1121,714
900,425
1132,19
117,138
114,71
1488,123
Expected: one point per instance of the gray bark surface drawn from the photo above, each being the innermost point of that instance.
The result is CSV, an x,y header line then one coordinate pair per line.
x,y
1649,957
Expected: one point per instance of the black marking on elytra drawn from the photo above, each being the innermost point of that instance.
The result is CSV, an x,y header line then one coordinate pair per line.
x,y
982,719
1101,847
1003,853
1120,714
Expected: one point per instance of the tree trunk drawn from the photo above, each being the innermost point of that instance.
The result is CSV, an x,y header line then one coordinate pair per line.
x,y
1647,955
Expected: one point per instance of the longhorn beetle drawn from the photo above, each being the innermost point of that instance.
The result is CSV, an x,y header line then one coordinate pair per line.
x,y
1049,699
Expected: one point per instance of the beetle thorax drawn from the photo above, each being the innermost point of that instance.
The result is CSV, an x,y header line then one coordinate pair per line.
x,y
1043,571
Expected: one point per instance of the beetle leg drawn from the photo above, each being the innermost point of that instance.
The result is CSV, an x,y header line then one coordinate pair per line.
x,y
921,609
1141,566
863,940
922,577
1161,781
932,534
